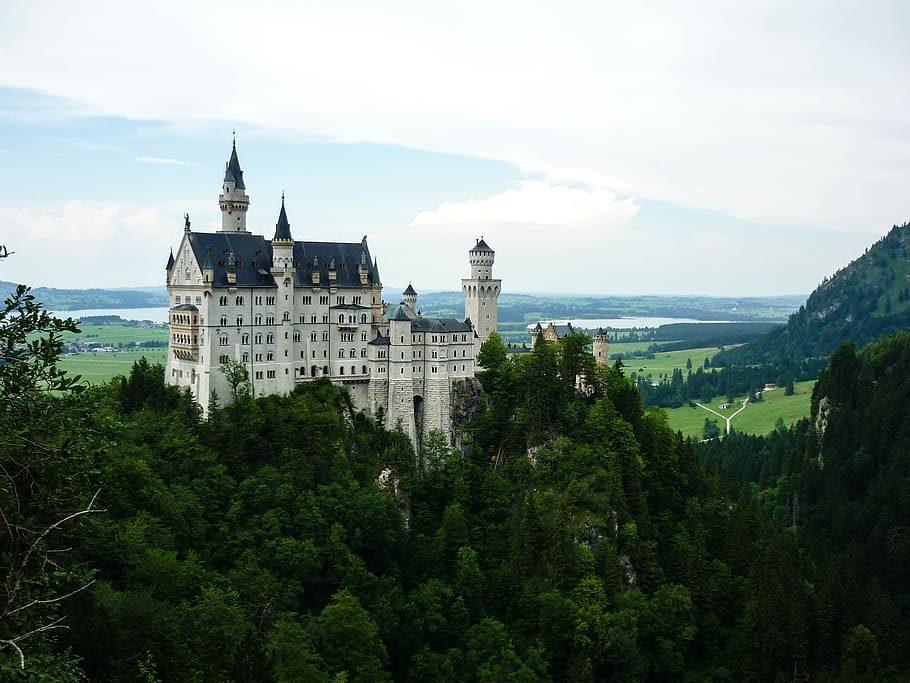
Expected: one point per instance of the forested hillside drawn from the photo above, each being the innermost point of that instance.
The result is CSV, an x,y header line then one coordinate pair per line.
x,y
293,539
840,483
860,303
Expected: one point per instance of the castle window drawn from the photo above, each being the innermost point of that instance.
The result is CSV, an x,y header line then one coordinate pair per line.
x,y
353,369
269,320
363,353
246,357
258,319
324,300
353,353
339,300
325,317
270,301
239,301
239,321
224,321
259,374
341,370
325,336
245,339
176,299
341,353
222,341
340,319
270,338
307,301
312,336
222,301
357,300
222,359
270,356
363,336
258,338
198,300
433,369
258,357
259,301
297,336
271,374
325,369
313,319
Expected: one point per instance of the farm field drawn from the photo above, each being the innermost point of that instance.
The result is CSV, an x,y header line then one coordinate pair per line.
x,y
757,418
114,334
97,368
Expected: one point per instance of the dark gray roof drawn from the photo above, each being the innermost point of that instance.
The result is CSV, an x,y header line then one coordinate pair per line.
x,y
351,307
410,291
185,307
397,312
282,227
481,246
233,172
170,261
439,325
379,340
252,258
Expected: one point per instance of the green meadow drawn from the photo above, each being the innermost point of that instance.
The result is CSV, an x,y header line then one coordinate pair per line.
x,y
663,363
757,418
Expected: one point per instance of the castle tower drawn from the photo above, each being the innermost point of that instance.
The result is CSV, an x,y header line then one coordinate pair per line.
x,y
234,200
481,293
601,346
409,298
283,272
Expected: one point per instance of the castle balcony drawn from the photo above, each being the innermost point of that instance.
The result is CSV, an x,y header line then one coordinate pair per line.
x,y
184,330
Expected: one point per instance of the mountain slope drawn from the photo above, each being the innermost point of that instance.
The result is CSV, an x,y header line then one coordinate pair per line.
x,y
863,301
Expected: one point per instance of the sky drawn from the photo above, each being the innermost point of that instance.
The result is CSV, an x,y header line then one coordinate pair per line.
x,y
712,148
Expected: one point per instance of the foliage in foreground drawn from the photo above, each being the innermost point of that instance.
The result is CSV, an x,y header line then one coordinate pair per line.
x,y
577,538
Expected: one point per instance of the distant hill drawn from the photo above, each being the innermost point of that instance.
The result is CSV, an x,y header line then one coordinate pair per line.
x,y
863,301
77,299
529,308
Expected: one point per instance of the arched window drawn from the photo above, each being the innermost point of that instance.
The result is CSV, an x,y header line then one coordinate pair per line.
x,y
239,321
353,353
364,369
341,319
341,353
224,321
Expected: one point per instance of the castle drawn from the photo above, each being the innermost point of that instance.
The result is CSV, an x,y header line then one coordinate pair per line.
x,y
291,311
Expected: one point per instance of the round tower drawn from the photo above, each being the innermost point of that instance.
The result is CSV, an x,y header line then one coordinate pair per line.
x,y
601,346
481,293
234,201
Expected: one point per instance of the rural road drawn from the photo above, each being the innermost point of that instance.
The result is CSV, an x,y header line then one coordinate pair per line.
x,y
724,417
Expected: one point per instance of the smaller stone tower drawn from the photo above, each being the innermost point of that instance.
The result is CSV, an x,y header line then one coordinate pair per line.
x,y
409,298
283,272
234,201
601,346
481,293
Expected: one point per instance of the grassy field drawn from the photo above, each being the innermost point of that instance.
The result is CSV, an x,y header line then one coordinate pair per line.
x,y
662,363
757,418
97,368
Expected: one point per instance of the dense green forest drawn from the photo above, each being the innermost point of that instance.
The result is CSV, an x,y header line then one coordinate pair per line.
x,y
839,481
575,537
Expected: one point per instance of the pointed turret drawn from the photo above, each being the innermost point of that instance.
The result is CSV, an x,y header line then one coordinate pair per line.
x,y
170,262
282,243
282,227
233,201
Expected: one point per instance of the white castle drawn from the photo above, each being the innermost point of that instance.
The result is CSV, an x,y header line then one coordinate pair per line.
x,y
292,311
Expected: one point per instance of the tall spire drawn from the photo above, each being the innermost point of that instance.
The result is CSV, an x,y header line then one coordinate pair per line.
x,y
234,201
233,172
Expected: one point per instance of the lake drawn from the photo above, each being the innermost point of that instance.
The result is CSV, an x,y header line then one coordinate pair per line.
x,y
159,314
621,323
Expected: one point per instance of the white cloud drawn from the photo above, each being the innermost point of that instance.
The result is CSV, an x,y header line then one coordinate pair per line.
x,y
535,202
95,245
